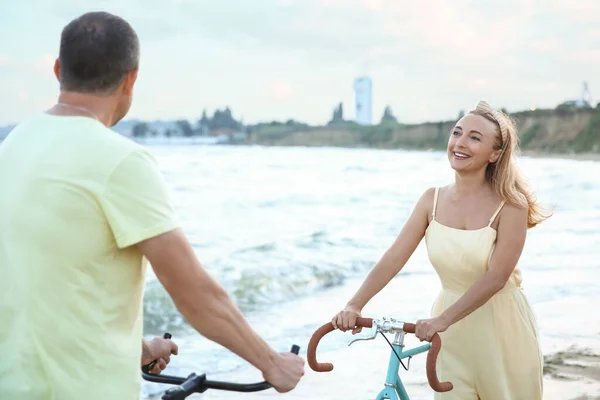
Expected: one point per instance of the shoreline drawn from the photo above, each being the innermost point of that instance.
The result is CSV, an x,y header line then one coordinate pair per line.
x,y
563,156
590,156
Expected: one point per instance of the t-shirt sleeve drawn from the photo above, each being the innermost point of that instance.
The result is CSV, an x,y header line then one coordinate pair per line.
x,y
136,200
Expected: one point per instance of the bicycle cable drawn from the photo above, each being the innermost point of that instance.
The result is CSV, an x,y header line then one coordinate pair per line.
x,y
394,350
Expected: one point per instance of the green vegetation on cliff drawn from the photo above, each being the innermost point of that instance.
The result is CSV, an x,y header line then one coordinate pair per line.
x,y
561,130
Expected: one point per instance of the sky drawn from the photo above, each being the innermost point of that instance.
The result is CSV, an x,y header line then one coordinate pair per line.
x,y
297,59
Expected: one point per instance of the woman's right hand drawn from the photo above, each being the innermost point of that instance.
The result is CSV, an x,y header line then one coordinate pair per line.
x,y
346,319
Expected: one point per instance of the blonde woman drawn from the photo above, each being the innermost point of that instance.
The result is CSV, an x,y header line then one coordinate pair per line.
x,y
474,230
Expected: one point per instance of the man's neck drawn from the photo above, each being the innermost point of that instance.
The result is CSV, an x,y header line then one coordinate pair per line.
x,y
99,108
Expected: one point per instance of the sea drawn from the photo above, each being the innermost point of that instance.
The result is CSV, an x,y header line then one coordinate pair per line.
x,y
291,232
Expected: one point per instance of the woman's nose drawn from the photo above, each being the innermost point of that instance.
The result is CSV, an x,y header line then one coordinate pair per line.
x,y
461,141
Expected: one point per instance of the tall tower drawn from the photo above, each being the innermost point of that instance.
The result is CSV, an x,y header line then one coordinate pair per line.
x,y
363,103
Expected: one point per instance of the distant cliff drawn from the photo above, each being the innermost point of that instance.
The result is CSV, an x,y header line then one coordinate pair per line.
x,y
561,130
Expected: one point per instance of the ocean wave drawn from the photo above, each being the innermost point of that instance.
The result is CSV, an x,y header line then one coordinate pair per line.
x,y
263,274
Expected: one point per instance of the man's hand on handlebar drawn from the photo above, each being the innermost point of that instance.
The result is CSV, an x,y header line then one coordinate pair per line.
x,y
159,350
285,372
346,319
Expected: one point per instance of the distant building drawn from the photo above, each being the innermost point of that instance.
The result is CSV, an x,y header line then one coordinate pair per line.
x,y
363,102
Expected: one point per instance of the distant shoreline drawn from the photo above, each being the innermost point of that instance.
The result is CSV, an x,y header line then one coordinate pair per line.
x,y
589,156
565,156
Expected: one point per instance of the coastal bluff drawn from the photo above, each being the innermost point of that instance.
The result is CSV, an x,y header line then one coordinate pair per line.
x,y
560,131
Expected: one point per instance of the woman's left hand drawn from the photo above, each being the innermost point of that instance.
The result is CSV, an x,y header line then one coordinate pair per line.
x,y
426,328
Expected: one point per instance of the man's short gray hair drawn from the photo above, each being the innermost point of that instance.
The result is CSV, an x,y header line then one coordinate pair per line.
x,y
97,51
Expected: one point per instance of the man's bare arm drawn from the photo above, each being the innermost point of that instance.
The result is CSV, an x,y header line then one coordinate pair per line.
x,y
207,307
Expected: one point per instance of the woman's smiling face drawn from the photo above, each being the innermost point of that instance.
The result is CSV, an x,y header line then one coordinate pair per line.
x,y
473,144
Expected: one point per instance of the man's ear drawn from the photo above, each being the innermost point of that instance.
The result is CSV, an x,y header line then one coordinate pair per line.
x,y
129,82
57,69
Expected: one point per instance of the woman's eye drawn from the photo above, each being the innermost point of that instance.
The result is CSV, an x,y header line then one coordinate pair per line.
x,y
456,133
475,138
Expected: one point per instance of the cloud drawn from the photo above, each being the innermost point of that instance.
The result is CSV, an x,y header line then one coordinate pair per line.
x,y
38,65
591,55
594,34
45,64
578,11
545,46
266,57
369,32
281,90
22,96
375,5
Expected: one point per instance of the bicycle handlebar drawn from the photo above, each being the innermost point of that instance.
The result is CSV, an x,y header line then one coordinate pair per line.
x,y
194,383
407,327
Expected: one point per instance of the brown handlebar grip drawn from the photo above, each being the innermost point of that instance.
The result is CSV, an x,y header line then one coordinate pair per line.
x,y
436,345
311,352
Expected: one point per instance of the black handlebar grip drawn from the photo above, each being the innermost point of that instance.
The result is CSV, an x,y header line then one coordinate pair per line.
x,y
192,383
295,349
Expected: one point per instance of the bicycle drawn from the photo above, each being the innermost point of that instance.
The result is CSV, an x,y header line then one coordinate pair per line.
x,y
393,387
193,383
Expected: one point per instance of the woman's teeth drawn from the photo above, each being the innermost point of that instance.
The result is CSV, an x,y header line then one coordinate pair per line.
x,y
461,156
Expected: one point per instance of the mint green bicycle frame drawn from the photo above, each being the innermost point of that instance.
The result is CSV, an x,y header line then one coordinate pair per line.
x,y
394,388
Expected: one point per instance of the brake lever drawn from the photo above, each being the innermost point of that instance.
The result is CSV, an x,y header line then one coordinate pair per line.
x,y
371,337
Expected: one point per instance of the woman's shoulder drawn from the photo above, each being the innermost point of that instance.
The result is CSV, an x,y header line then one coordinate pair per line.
x,y
517,204
512,212
428,195
427,199
430,191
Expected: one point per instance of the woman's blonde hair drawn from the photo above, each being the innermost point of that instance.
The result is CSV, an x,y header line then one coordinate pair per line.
x,y
504,174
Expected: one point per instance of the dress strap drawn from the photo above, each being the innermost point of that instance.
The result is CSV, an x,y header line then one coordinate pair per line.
x,y
435,198
496,213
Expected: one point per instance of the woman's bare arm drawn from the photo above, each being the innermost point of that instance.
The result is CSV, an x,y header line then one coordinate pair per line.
x,y
391,263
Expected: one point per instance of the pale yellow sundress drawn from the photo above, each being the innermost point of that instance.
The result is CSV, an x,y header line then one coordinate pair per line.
x,y
494,352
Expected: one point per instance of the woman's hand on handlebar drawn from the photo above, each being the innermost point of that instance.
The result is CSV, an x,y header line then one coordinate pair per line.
x,y
426,328
285,372
346,319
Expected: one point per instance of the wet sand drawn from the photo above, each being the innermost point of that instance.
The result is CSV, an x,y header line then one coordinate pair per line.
x,y
572,374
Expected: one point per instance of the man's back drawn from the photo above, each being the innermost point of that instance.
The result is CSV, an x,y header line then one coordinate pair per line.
x,y
74,196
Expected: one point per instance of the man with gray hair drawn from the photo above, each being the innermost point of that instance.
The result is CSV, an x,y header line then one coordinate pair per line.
x,y
82,209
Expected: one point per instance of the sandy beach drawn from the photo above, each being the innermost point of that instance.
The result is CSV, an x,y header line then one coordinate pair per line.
x,y
574,370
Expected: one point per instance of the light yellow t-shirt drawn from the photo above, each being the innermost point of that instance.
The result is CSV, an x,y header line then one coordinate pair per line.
x,y
74,197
